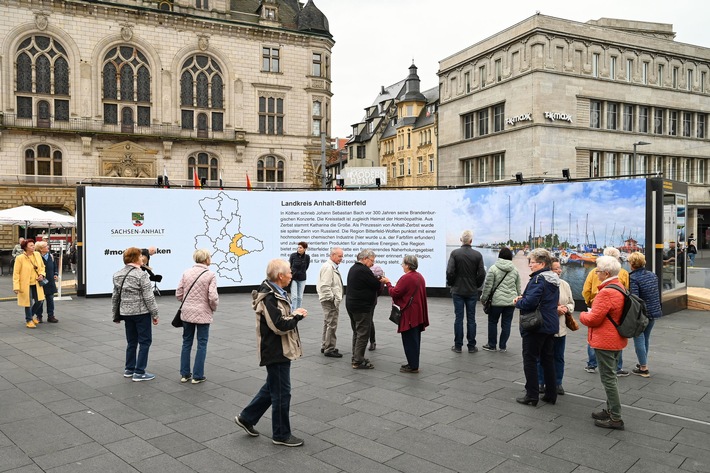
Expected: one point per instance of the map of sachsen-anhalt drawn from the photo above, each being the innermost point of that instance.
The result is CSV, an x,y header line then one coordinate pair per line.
x,y
224,236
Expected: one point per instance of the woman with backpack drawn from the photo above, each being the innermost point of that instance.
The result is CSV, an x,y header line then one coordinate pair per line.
x,y
644,284
502,285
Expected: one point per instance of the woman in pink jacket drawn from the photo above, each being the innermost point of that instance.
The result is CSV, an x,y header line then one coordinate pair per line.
x,y
198,292
605,339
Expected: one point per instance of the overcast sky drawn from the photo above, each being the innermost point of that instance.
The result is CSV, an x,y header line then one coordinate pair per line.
x,y
376,40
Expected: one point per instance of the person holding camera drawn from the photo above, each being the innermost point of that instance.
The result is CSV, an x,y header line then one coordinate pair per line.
x,y
27,277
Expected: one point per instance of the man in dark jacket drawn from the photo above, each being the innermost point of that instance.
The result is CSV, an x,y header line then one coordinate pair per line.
x,y
50,288
360,300
465,274
278,344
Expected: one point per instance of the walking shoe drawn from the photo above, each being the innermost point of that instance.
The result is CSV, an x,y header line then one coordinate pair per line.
x,y
640,372
143,377
198,380
541,388
487,347
333,354
289,442
36,320
622,373
456,349
31,324
127,374
322,350
560,390
590,369
473,350
248,428
52,319
526,400
502,350
186,378
610,424
601,415
364,365
408,369
373,346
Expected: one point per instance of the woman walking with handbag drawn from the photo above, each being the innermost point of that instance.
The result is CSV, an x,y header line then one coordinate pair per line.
x,y
27,277
410,295
539,300
197,290
502,285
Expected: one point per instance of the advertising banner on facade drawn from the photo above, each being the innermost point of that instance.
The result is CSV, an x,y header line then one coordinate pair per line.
x,y
244,230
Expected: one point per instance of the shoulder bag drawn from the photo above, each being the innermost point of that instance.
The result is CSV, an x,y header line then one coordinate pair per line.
x,y
396,312
117,311
532,321
43,281
489,300
177,321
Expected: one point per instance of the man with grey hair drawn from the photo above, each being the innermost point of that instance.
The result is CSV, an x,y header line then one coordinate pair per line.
x,y
465,273
330,293
606,340
360,301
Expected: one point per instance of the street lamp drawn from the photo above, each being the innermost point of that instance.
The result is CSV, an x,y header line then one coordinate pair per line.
x,y
638,143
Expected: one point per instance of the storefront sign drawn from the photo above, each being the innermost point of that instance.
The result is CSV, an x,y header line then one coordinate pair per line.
x,y
525,117
554,116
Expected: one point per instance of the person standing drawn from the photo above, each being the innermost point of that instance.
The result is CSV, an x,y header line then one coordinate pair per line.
x,y
605,339
300,262
644,284
197,290
26,276
378,272
278,344
465,273
542,293
52,271
362,288
330,293
410,295
17,250
692,251
503,281
564,307
134,300
589,292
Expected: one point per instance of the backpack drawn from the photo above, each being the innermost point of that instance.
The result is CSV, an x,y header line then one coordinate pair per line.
x,y
634,318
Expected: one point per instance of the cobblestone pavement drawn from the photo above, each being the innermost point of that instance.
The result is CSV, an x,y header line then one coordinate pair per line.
x,y
65,406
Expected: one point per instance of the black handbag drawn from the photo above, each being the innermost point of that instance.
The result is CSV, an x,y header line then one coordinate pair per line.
x,y
531,321
396,312
177,320
489,300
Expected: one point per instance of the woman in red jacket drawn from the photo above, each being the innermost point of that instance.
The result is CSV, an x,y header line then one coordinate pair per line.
x,y
604,338
410,295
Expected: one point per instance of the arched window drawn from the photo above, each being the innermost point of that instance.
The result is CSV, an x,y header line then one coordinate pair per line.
x,y
207,166
270,170
201,94
126,86
43,160
42,76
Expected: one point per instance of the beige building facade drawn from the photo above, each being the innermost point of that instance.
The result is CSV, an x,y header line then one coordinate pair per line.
x,y
605,98
129,92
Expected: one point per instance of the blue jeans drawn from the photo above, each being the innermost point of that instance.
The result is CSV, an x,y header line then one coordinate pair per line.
x,y
641,343
558,352
691,257
592,361
188,333
469,303
35,306
505,314
50,305
276,392
297,288
139,335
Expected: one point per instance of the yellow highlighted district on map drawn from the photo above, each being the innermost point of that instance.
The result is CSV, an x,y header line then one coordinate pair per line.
x,y
235,248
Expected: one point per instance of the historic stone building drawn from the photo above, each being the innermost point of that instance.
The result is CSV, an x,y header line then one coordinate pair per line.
x,y
398,133
128,92
606,98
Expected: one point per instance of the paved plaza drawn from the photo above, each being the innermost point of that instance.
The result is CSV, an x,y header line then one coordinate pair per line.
x,y
65,406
